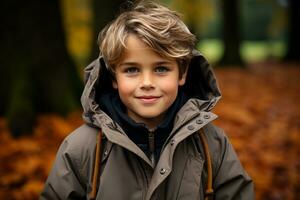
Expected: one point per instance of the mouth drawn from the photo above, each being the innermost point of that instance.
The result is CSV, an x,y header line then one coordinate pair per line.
x,y
148,99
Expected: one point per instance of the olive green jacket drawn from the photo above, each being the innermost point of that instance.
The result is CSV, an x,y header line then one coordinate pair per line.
x,y
127,173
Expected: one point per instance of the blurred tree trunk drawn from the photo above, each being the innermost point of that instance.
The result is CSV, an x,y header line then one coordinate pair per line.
x,y
231,33
37,73
293,44
104,12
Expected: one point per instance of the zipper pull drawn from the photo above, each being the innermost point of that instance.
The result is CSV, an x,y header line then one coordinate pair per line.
x,y
151,146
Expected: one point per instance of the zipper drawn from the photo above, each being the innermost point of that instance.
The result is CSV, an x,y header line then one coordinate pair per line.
x,y
151,146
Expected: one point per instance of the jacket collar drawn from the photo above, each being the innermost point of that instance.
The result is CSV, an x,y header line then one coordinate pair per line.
x,y
138,132
188,120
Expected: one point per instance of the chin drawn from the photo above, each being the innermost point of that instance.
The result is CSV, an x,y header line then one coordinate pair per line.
x,y
149,116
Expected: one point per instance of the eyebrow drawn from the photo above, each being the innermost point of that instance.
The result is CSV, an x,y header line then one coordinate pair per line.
x,y
155,63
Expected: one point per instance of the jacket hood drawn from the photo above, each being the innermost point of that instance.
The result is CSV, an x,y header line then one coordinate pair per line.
x,y
200,85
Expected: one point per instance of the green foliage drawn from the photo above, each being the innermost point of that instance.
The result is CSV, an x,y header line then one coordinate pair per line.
x,y
262,19
251,51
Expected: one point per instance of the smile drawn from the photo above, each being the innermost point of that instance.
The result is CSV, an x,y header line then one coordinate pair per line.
x,y
148,99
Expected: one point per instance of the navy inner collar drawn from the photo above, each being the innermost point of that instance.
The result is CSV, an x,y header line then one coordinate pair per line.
x,y
138,132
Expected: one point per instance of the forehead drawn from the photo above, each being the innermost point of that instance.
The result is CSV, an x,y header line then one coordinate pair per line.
x,y
137,51
134,42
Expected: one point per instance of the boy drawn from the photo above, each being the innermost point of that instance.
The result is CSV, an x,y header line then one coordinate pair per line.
x,y
148,96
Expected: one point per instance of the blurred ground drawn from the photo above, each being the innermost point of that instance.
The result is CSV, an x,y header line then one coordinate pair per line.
x,y
259,112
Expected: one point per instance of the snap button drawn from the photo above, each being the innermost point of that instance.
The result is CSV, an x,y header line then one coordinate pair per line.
x,y
199,121
206,116
105,152
172,142
162,171
191,127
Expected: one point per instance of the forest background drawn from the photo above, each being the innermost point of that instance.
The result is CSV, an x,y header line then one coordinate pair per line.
x,y
253,45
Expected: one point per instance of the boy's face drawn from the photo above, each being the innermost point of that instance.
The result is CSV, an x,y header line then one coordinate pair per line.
x,y
147,83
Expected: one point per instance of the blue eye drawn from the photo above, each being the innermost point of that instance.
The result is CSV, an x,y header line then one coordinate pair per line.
x,y
131,70
161,69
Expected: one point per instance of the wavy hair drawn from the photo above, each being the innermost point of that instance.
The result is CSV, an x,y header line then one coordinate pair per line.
x,y
159,27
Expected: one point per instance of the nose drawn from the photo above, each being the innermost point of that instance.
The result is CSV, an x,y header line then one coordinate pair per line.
x,y
147,81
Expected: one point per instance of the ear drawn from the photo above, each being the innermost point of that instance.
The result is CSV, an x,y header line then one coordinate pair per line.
x,y
182,79
115,84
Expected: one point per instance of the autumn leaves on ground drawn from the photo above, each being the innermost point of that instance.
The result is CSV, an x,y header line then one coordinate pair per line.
x,y
259,112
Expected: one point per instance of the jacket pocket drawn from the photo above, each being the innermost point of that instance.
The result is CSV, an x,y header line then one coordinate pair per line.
x,y
191,186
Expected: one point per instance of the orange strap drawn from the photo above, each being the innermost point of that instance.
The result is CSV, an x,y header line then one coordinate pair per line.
x,y
209,190
93,193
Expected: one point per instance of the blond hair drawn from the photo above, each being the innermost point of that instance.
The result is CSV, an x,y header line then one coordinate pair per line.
x,y
159,27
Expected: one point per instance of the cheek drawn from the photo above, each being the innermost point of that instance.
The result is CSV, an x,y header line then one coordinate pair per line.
x,y
125,86
124,89
170,87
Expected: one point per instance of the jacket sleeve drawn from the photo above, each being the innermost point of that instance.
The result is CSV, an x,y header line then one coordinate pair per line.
x,y
63,182
231,181
71,173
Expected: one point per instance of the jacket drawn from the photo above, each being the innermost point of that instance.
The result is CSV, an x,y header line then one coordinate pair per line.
x,y
126,172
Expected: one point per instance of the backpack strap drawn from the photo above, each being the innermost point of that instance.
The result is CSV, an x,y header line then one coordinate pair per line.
x,y
96,177
209,190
